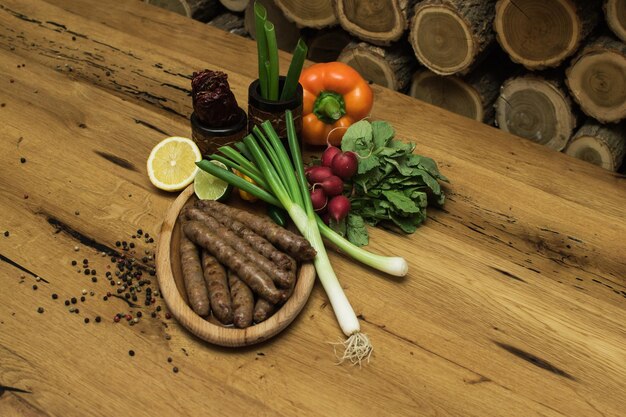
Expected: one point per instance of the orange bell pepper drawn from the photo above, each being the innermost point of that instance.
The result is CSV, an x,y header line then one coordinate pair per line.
x,y
334,97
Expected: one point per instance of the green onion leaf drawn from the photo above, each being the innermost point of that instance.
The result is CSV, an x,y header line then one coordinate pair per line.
x,y
272,58
260,17
295,68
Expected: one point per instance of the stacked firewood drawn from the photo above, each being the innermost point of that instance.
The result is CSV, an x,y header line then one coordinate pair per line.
x,y
553,71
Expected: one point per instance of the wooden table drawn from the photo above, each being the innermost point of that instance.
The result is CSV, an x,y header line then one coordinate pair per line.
x,y
514,304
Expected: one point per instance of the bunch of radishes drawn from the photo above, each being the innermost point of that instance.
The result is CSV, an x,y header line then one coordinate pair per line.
x,y
327,183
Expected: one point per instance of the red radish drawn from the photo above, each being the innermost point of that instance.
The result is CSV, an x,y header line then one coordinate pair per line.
x,y
338,207
318,198
332,185
344,165
318,174
329,154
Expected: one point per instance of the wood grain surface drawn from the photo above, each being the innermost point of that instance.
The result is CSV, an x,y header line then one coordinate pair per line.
x,y
513,306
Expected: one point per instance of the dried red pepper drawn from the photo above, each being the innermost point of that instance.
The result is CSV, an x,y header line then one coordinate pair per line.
x,y
213,102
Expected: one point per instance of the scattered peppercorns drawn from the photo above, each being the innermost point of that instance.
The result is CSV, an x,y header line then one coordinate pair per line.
x,y
6,233
23,160
55,296
40,310
131,353
34,287
175,369
98,319
86,320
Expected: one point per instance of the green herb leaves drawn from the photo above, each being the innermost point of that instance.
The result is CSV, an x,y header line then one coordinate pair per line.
x,y
392,186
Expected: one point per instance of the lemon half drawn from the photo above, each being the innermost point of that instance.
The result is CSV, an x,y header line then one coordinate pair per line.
x,y
172,163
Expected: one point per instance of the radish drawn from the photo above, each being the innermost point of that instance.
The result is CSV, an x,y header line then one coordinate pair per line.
x,y
338,207
318,174
318,198
345,165
329,154
331,185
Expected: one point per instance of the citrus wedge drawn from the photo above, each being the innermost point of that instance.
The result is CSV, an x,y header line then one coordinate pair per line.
x,y
172,163
208,187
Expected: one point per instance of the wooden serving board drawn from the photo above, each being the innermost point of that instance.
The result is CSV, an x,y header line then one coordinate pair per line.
x,y
170,278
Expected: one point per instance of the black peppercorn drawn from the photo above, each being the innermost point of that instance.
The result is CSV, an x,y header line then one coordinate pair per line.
x,y
98,319
74,263
55,296
73,299
34,287
6,233
82,298
169,360
67,302
86,272
94,279
118,243
131,352
175,369
86,320
93,272
40,310
22,160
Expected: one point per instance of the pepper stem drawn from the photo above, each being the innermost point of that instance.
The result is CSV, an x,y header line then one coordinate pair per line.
x,y
329,107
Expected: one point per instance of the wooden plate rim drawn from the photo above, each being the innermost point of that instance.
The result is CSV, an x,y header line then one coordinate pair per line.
x,y
223,336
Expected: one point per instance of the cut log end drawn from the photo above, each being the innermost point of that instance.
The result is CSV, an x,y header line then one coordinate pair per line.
x,y
450,93
536,109
541,34
597,79
314,14
378,22
391,68
601,145
615,14
202,10
235,5
448,36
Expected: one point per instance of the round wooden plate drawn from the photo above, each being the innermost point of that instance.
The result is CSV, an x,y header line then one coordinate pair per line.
x,y
172,288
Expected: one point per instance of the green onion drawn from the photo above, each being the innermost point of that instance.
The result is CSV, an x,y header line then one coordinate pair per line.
x,y
295,68
244,150
272,58
260,17
236,181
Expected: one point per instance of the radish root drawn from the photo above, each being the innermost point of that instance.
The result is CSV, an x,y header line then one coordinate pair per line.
x,y
357,349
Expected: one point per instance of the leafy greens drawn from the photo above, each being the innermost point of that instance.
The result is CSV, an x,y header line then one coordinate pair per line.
x,y
392,186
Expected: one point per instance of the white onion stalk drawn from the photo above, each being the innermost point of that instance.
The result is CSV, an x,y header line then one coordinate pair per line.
x,y
292,192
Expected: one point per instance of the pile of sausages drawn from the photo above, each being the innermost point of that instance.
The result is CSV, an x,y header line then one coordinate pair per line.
x,y
238,268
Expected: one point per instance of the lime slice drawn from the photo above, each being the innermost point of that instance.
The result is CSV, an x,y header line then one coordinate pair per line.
x,y
209,187
172,163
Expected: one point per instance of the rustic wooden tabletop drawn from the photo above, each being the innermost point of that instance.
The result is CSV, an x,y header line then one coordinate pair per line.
x,y
514,304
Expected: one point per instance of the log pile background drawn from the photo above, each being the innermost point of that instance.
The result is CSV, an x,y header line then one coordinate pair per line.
x,y
552,71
